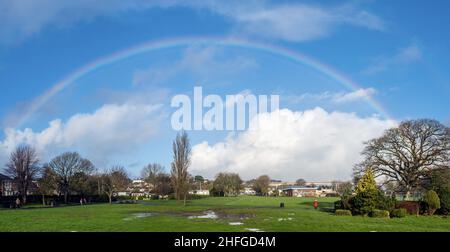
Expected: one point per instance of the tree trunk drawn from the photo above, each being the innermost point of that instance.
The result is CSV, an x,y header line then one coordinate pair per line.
x,y
65,197
43,199
184,201
24,198
110,198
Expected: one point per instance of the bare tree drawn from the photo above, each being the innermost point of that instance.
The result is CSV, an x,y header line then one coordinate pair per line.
x,y
47,183
150,173
407,153
180,165
300,182
115,180
23,168
163,184
227,184
261,185
344,189
67,167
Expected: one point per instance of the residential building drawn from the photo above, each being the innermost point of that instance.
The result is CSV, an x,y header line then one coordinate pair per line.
x,y
199,192
6,186
248,191
299,191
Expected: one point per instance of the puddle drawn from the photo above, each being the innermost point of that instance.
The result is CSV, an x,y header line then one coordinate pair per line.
x,y
254,230
285,219
138,216
209,214
206,215
236,223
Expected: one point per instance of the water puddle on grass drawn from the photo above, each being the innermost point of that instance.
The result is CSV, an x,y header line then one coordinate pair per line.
x,y
206,215
235,223
211,214
254,230
285,219
138,216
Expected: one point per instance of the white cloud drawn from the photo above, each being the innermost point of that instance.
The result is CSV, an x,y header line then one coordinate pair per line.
x,y
404,56
202,61
292,22
111,129
314,144
339,97
359,94
300,22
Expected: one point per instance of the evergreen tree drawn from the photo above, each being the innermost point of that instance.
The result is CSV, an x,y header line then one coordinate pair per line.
x,y
367,182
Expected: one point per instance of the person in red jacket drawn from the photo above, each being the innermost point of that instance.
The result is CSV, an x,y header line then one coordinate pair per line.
x,y
316,204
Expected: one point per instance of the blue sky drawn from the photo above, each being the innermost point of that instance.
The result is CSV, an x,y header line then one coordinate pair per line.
x,y
395,51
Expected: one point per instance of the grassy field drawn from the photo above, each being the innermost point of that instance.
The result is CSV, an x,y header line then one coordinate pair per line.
x,y
244,214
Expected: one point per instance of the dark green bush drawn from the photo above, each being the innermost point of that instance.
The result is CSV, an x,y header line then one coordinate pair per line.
x,y
432,201
377,213
338,205
444,196
399,213
365,202
341,212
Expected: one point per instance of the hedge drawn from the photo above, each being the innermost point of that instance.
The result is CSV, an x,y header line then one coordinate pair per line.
x,y
341,212
399,213
379,213
412,207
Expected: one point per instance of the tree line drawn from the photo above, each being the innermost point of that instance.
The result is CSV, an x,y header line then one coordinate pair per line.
x,y
408,158
70,173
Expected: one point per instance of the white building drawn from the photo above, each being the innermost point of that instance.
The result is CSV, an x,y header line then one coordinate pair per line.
x,y
248,191
199,192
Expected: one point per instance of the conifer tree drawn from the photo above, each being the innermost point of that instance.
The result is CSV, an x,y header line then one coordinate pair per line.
x,y
367,182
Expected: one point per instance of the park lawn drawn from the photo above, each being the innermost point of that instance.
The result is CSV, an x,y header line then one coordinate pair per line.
x,y
262,213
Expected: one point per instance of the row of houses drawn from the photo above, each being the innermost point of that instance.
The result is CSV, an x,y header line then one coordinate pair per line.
x,y
7,187
289,189
140,188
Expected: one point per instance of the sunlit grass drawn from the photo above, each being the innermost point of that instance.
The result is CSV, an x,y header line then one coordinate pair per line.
x,y
253,212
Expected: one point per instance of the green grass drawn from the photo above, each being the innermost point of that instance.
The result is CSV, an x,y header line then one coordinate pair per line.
x,y
261,212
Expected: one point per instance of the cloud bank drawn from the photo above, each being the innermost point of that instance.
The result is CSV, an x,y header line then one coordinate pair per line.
x,y
286,21
313,144
111,129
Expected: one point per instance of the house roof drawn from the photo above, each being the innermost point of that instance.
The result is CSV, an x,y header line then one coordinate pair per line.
x,y
300,188
4,177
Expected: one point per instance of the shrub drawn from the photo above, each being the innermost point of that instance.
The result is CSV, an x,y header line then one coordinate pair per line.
x,y
338,205
341,212
432,201
366,201
412,207
399,213
377,213
444,195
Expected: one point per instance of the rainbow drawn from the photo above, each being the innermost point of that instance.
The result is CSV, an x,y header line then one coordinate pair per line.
x,y
150,46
